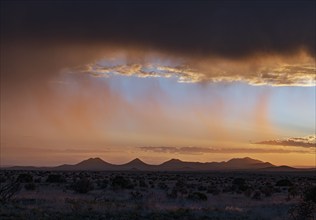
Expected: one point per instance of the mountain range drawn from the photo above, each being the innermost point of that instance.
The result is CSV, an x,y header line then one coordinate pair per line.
x,y
235,164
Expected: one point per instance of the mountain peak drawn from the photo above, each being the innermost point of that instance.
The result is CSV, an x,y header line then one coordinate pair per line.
x,y
247,158
136,161
175,160
95,159
88,164
246,163
244,160
136,164
92,161
174,164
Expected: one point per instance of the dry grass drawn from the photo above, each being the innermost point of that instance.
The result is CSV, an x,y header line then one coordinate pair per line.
x,y
141,195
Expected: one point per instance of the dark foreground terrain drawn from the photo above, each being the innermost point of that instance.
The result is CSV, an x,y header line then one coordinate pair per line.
x,y
157,195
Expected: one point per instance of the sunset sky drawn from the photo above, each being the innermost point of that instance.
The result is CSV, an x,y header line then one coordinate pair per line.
x,y
193,80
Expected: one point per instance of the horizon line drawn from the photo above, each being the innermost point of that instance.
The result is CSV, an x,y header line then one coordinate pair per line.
x,y
137,158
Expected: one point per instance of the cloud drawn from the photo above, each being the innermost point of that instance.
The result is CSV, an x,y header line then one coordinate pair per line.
x,y
306,142
55,151
206,150
182,74
217,41
275,71
213,28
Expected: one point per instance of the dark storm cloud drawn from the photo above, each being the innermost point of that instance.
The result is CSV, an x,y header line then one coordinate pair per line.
x,y
230,29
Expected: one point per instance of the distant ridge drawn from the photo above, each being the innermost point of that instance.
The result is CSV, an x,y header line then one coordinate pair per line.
x,y
283,168
235,164
135,164
89,164
244,163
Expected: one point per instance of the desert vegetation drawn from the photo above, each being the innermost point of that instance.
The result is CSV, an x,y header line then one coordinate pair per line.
x,y
156,195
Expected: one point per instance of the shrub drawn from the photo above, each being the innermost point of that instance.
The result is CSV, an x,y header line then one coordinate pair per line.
x,y
256,195
103,184
173,194
197,196
136,195
239,181
267,191
239,185
38,180
180,184
30,186
213,190
55,178
310,194
8,190
25,178
304,210
2,179
248,192
120,182
284,182
142,184
163,186
202,188
292,192
83,185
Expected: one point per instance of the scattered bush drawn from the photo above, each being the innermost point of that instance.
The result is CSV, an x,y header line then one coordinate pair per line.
x,y
256,195
136,195
120,182
25,178
2,179
248,192
162,185
142,184
152,184
213,190
284,182
267,191
292,192
180,184
239,181
304,210
103,184
202,188
83,185
173,194
30,186
310,194
197,196
239,185
55,178
182,190
8,190
37,180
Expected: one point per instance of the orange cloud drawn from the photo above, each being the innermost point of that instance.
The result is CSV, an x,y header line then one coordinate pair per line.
x,y
294,70
219,150
306,142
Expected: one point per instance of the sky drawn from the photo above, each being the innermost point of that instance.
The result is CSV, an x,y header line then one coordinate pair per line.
x,y
193,80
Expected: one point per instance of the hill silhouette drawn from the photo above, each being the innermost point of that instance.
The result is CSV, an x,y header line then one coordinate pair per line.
x,y
89,164
135,164
235,164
